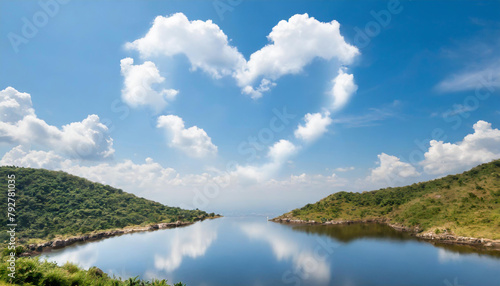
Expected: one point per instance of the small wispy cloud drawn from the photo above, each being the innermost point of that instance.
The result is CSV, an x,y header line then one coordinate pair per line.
x,y
372,117
344,169
457,109
487,77
481,62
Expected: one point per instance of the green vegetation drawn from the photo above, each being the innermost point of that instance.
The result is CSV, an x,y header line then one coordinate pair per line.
x,y
53,204
466,204
32,271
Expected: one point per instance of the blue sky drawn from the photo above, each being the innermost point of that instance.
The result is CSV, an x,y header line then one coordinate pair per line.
x,y
429,71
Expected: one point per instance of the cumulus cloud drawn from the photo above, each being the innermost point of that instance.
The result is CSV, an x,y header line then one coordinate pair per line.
x,y
138,85
88,139
150,179
317,123
202,42
135,177
343,88
315,126
391,170
193,141
281,150
22,156
129,175
14,105
294,44
479,147
278,154
147,179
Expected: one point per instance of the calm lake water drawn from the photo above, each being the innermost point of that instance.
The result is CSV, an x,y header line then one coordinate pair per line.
x,y
252,251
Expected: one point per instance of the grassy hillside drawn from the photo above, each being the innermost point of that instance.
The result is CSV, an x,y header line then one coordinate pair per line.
x,y
466,204
50,204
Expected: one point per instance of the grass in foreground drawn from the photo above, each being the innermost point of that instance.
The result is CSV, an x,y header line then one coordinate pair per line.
x,y
33,271
466,204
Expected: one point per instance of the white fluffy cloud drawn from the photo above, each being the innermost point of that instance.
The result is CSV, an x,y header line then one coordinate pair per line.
x,y
317,123
126,174
281,150
193,141
391,170
147,179
21,156
202,42
225,189
343,88
294,44
479,147
315,126
14,105
129,175
88,139
278,154
138,85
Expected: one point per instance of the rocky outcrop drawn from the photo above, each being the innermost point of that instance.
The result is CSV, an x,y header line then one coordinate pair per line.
x,y
447,238
331,222
59,243
454,239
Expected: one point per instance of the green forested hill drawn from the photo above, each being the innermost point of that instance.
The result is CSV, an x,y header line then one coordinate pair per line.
x,y
50,203
466,204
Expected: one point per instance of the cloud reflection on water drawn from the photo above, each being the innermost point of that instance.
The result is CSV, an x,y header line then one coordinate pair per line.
x,y
84,256
190,242
307,262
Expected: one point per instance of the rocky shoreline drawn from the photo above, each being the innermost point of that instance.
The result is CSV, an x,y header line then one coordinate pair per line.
x,y
34,249
445,238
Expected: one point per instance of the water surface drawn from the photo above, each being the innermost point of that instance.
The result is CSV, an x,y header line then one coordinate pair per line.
x,y
252,251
